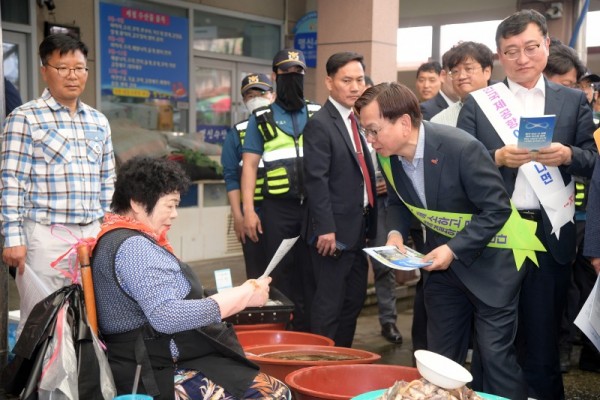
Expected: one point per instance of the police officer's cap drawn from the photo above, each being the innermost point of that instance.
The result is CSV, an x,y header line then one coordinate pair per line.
x,y
287,58
256,81
590,77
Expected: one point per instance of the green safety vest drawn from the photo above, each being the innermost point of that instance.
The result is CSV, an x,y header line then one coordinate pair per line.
x,y
241,128
581,188
517,234
282,156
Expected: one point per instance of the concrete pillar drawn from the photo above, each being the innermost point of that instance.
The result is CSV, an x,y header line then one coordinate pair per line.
x,y
368,27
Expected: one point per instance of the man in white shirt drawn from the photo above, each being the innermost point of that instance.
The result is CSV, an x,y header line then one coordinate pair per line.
x,y
470,67
540,183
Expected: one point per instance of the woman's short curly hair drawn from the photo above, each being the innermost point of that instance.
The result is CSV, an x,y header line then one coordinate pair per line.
x,y
145,180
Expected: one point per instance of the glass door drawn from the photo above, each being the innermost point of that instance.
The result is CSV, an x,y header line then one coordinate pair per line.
x,y
218,100
14,46
213,88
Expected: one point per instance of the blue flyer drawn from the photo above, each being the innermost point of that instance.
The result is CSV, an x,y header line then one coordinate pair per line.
x,y
536,132
391,257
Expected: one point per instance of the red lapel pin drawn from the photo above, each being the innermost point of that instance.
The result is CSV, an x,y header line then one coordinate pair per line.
x,y
434,161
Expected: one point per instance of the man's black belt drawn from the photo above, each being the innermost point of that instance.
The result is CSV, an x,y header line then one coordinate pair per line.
x,y
532,215
85,223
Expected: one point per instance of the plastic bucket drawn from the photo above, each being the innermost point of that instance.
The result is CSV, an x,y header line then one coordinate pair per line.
x,y
269,357
267,337
340,382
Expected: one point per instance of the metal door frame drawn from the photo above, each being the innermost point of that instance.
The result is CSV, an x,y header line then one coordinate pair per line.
x,y
20,39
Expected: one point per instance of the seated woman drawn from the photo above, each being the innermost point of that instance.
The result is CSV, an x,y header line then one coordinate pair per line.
x,y
151,308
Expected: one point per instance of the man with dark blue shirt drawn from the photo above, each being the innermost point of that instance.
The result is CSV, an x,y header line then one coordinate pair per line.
x,y
275,134
257,91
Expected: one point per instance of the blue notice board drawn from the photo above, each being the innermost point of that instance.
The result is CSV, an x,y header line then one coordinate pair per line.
x,y
143,53
305,37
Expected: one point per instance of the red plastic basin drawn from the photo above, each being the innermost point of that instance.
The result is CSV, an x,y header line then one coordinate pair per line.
x,y
266,337
340,382
255,327
280,368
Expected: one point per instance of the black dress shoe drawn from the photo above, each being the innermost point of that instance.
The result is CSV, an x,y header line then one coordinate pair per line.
x,y
565,360
391,333
589,359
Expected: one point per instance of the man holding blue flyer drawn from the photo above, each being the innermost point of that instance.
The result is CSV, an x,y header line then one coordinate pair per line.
x,y
540,183
446,178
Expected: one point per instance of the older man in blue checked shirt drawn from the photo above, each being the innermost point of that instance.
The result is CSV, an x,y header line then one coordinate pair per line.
x,y
57,167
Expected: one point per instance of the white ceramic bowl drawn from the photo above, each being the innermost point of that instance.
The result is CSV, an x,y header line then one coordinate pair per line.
x,y
441,371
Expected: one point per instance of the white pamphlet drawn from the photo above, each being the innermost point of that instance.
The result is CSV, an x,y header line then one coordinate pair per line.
x,y
588,317
594,317
282,250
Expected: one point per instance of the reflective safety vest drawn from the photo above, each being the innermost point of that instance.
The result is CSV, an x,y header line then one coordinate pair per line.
x,y
282,156
581,190
241,128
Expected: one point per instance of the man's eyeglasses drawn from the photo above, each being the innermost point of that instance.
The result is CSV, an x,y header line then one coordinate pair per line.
x,y
455,73
529,51
372,133
367,132
63,72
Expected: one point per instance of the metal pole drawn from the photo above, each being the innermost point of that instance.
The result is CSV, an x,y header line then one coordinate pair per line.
x,y
3,269
580,45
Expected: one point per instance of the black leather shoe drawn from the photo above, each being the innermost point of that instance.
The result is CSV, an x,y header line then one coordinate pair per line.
x,y
565,360
391,333
589,367
589,359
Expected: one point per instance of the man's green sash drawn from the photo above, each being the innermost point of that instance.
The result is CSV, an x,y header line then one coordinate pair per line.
x,y
517,234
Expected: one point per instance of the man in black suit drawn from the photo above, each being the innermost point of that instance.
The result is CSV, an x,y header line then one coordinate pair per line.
x,y
441,168
535,180
445,97
565,68
434,106
589,358
428,82
340,186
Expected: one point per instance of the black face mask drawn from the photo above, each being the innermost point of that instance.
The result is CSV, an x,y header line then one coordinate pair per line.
x,y
290,91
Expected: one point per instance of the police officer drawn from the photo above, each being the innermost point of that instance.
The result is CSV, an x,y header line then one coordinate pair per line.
x,y
257,91
275,133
